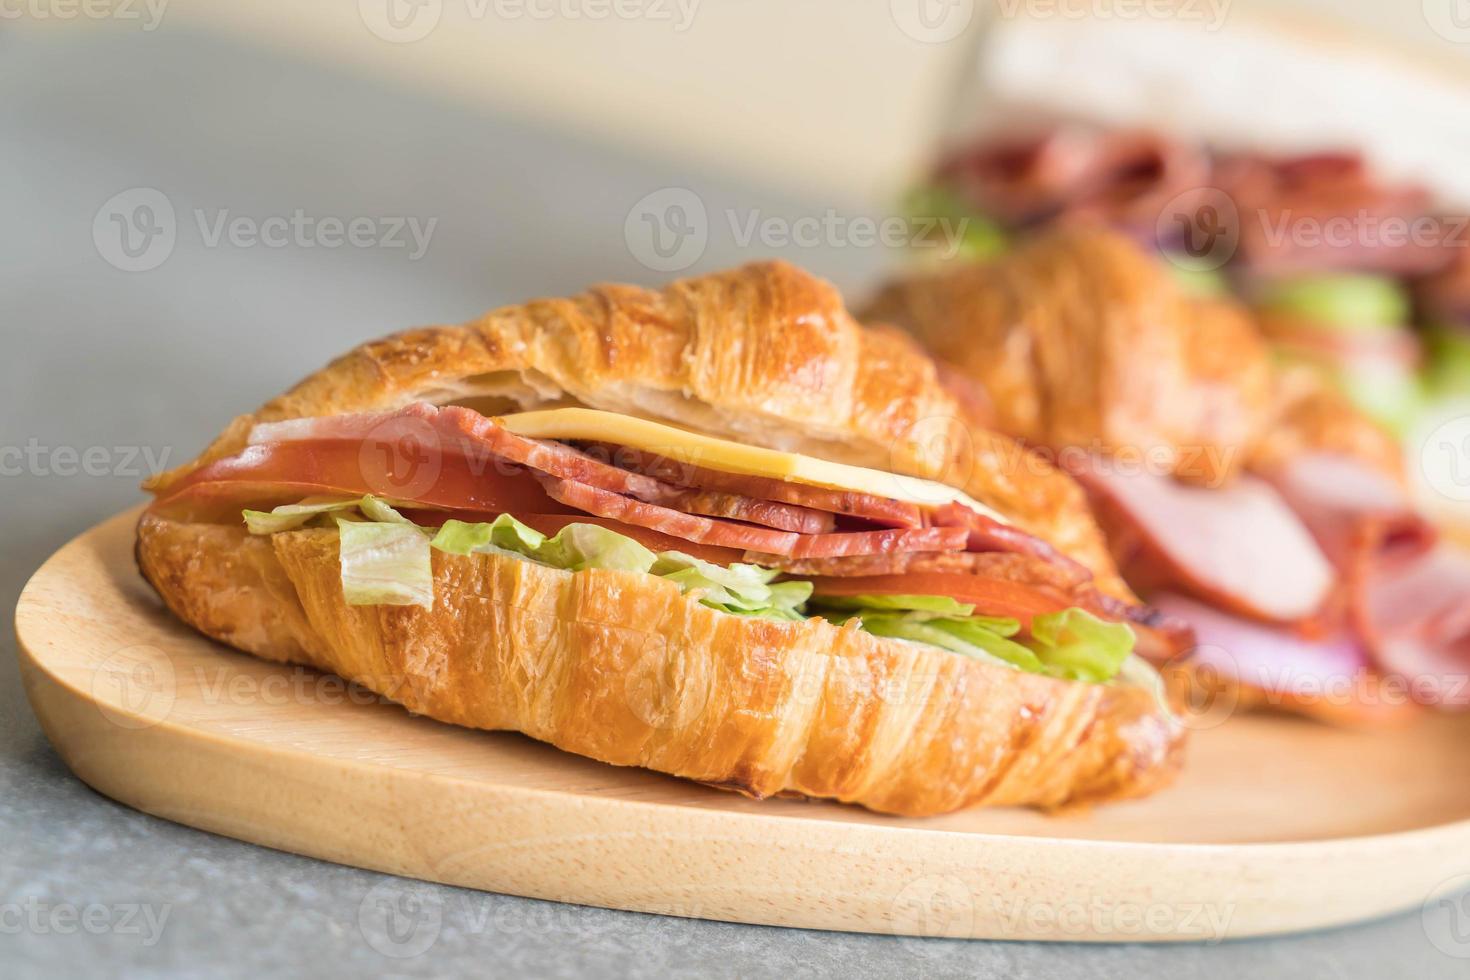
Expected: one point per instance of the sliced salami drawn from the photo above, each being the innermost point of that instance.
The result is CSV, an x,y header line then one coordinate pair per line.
x,y
690,527
564,461
878,510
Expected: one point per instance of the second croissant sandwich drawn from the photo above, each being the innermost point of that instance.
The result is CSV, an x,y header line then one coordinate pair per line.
x,y
718,531
1248,497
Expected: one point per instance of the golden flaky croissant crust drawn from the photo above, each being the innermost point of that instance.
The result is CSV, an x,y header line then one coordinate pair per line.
x,y
1097,350
623,668
1080,338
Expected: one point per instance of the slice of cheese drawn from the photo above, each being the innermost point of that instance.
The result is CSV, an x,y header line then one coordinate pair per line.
x,y
709,452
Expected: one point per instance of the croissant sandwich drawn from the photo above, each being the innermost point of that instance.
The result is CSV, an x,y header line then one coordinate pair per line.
x,y
718,530
1251,499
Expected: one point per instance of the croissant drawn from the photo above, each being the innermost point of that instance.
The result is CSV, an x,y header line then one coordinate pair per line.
x,y
1081,339
1078,340
1296,554
624,667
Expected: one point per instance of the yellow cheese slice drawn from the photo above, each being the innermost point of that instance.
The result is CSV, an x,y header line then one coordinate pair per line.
x,y
732,457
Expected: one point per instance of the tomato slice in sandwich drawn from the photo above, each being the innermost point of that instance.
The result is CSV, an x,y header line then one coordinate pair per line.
x,y
990,596
264,475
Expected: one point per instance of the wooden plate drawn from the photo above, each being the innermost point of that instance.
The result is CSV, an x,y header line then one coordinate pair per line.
x,y
1277,824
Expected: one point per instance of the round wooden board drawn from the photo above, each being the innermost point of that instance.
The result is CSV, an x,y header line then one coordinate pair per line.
x,y
1276,825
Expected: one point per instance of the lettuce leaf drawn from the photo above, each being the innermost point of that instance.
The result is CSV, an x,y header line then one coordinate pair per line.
x,y
740,589
935,208
1076,645
386,560
941,604
505,533
957,635
1071,644
1346,301
574,548
385,563
288,517
580,546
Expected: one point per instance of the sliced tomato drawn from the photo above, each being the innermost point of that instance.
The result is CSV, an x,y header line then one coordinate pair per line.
x,y
265,475
990,596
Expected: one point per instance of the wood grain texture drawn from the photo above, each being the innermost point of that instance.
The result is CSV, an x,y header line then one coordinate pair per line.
x,y
1277,824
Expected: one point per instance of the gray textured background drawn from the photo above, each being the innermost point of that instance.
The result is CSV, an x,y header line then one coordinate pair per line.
x,y
159,360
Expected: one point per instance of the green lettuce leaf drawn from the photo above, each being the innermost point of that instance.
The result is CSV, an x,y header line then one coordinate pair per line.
x,y
377,509
740,589
1346,301
386,560
1449,361
940,604
574,548
1076,645
288,517
939,210
385,563
979,644
505,533
1072,644
580,546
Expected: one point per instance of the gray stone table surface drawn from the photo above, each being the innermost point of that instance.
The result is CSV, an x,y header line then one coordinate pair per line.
x,y
147,365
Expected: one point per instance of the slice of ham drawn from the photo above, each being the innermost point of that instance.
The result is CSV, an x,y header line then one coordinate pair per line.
x,y
877,510
1077,172
1329,678
1239,547
1407,594
1349,506
1414,615
1338,193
